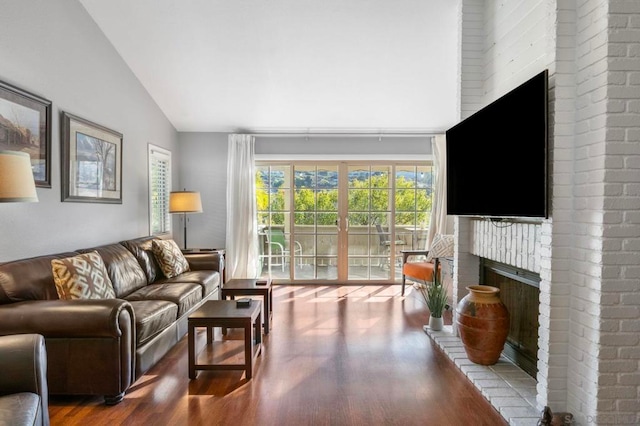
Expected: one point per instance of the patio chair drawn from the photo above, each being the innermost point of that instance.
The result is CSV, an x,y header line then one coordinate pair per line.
x,y
422,270
385,243
279,247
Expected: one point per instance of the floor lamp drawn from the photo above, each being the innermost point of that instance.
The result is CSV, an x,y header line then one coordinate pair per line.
x,y
16,178
185,202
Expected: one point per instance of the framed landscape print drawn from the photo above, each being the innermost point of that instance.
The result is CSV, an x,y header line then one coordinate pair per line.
x,y
25,125
91,162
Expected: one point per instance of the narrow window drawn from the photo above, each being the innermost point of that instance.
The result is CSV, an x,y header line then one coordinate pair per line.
x,y
159,189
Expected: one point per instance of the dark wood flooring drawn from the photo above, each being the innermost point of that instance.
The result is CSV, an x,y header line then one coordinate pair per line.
x,y
345,355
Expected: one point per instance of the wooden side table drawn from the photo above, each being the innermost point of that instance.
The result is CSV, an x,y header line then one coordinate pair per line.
x,y
220,251
251,287
224,313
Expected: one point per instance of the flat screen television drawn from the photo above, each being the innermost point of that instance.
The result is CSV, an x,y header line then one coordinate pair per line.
x,y
497,157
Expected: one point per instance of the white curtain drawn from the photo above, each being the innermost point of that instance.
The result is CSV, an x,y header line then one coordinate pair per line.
x,y
242,226
438,224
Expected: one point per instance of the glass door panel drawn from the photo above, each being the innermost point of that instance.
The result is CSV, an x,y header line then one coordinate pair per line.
x,y
340,222
413,195
369,201
316,216
273,199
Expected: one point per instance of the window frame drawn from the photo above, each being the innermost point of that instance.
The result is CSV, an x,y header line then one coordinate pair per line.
x,y
156,153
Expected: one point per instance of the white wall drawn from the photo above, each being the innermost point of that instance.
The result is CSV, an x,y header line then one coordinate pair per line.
x,y
203,167
607,197
347,147
54,49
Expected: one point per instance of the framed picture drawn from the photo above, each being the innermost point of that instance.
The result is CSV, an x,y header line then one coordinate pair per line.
x,y
25,125
91,162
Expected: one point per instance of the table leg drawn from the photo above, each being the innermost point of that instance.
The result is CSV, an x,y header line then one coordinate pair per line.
x,y
270,302
248,349
192,350
209,334
258,329
267,312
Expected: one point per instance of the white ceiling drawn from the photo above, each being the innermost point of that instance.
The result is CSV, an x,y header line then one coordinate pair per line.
x,y
291,65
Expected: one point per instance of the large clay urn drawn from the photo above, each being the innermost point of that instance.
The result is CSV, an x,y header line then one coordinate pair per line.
x,y
483,324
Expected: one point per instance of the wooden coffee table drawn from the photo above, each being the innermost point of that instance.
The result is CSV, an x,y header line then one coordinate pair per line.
x,y
251,287
224,313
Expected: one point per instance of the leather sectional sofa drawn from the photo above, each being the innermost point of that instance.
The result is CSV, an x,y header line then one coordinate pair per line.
x,y
101,346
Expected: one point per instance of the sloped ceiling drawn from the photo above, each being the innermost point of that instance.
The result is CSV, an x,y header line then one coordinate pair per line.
x,y
291,65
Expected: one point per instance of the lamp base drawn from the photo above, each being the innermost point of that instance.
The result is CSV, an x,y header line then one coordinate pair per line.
x,y
185,230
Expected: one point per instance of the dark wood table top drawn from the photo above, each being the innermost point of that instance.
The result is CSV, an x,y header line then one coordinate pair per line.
x,y
226,309
246,284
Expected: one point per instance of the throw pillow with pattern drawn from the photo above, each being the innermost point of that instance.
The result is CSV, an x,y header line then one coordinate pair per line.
x,y
170,258
441,246
83,276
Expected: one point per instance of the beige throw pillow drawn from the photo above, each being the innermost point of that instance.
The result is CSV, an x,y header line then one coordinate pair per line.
x,y
171,260
441,246
83,276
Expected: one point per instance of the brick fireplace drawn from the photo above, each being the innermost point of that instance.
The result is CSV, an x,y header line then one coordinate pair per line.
x,y
520,293
496,252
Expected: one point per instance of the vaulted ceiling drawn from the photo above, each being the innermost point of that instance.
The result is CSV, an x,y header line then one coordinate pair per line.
x,y
291,65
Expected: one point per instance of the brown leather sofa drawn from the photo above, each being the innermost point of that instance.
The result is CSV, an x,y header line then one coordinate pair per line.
x,y
101,346
23,382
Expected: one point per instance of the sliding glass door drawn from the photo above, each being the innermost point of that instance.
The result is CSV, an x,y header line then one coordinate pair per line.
x,y
340,221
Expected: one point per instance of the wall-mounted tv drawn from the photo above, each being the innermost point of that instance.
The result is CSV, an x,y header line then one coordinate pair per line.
x,y
497,158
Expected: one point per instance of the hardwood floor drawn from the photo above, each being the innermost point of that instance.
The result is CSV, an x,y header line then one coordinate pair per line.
x,y
347,355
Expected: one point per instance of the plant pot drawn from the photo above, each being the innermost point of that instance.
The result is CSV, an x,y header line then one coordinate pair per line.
x,y
436,324
483,324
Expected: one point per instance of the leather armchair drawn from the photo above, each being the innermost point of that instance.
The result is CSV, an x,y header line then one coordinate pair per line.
x,y
23,383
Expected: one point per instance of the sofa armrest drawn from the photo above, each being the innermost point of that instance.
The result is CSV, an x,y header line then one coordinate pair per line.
x,y
211,261
68,318
24,364
24,368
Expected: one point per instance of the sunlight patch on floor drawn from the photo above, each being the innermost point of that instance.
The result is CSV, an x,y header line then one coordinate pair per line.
x,y
320,332
321,300
143,386
378,299
165,389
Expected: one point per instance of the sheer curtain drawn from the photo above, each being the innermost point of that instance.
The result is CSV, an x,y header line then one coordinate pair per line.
x,y
242,226
438,224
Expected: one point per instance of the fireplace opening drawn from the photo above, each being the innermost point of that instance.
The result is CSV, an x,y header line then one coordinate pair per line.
x,y
520,292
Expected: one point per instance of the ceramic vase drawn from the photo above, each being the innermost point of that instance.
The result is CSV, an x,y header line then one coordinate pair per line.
x,y
483,324
436,324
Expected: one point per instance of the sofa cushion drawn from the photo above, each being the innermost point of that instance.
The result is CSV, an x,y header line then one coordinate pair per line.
x,y
208,280
185,295
170,258
124,270
152,317
141,249
83,276
419,270
21,408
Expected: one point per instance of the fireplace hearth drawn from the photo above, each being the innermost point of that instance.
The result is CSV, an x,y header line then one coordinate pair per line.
x,y
520,292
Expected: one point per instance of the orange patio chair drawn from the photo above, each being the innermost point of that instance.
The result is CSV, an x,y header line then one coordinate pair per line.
x,y
442,246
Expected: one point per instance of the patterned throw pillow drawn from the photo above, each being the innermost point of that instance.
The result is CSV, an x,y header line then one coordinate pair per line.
x,y
441,246
82,277
169,257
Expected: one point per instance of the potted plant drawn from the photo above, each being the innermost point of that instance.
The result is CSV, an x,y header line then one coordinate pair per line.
x,y
436,297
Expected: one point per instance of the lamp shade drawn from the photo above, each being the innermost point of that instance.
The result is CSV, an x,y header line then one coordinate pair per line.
x,y
185,202
16,178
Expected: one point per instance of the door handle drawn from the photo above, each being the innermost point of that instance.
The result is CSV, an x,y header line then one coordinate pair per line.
x,y
346,220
